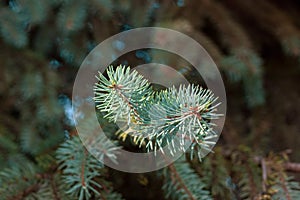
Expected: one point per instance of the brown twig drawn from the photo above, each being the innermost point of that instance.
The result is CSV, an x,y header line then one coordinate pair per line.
x,y
284,187
118,89
292,167
288,166
54,188
264,174
26,192
181,183
83,169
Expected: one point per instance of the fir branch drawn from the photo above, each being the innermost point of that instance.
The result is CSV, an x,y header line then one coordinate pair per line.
x,y
288,166
111,195
68,50
32,85
34,11
54,188
122,96
273,20
246,66
275,181
72,15
233,35
79,169
19,181
283,187
176,178
182,183
216,175
26,192
158,118
250,180
247,175
105,7
98,144
183,115
12,28
279,184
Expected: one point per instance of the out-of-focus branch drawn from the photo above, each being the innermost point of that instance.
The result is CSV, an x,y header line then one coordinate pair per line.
x,y
288,166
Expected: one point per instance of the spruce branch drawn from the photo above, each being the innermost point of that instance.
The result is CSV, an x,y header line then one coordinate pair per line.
x,y
79,169
72,15
12,28
122,95
182,115
34,11
246,66
98,144
82,173
181,182
20,182
257,176
170,117
279,184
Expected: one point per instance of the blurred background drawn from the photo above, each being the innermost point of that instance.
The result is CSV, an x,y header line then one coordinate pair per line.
x,y
255,44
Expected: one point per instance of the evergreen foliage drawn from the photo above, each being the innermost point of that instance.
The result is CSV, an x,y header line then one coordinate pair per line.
x,y
23,16
278,183
155,119
181,182
80,171
42,44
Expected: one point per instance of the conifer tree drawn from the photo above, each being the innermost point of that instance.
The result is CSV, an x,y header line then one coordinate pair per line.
x,y
42,44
